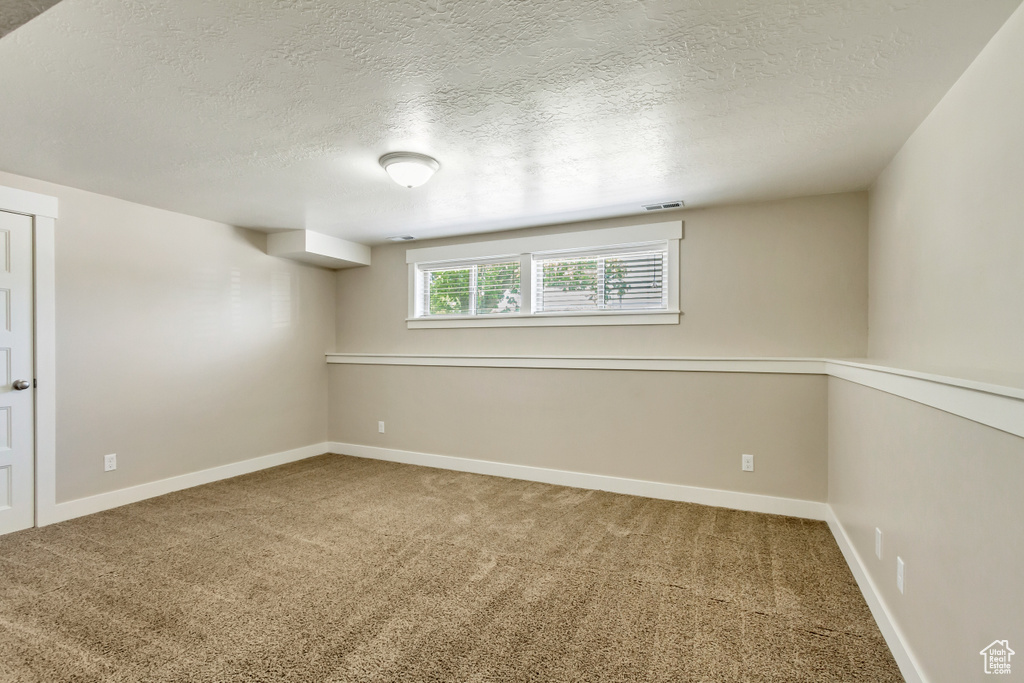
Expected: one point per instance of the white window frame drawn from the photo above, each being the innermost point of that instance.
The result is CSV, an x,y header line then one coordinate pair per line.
x,y
460,265
524,248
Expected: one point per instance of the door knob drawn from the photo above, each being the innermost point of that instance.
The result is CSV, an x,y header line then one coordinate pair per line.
x,y
21,384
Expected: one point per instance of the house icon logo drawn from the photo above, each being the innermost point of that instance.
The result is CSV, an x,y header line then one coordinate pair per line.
x,y
997,657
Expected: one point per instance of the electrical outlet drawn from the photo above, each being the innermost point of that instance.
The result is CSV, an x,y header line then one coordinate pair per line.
x,y
380,426
900,574
748,463
878,543
110,462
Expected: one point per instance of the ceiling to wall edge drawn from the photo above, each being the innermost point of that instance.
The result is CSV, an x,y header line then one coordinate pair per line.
x,y
15,13
317,248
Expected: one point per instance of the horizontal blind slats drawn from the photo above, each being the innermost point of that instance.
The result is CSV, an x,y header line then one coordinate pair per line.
x,y
498,288
626,281
471,289
625,278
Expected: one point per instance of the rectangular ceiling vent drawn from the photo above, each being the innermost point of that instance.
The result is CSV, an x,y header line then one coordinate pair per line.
x,y
665,205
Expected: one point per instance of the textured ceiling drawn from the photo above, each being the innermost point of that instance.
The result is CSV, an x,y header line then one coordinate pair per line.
x,y
14,13
272,113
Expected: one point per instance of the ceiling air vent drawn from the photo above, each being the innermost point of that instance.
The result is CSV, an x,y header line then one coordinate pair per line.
x,y
400,238
665,205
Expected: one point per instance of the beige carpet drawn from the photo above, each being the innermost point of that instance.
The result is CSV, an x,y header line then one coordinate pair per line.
x,y
340,569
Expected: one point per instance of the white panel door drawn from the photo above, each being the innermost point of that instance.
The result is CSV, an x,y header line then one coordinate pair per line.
x,y
17,429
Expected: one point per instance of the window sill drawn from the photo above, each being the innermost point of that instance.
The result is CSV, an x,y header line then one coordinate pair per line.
x,y
547,320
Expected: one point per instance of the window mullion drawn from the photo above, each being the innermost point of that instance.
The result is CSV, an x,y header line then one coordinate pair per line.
x,y
526,288
472,289
425,302
601,301
537,272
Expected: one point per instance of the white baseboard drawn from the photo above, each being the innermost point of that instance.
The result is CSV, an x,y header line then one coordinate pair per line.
x,y
735,500
133,494
909,666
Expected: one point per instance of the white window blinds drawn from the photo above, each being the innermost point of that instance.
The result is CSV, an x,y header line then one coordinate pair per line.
x,y
610,276
471,288
608,280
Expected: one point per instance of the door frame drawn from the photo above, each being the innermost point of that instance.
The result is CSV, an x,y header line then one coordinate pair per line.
x,y
42,209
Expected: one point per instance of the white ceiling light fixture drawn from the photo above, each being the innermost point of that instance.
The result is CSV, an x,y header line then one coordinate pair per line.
x,y
408,168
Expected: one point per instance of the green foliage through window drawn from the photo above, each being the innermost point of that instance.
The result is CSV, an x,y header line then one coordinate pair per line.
x,y
630,279
473,290
497,288
449,291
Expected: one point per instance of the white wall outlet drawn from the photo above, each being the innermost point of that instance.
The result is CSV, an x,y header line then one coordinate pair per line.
x,y
748,463
110,462
878,543
380,426
900,573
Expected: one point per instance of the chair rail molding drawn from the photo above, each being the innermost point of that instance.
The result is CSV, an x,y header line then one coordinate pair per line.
x,y
994,405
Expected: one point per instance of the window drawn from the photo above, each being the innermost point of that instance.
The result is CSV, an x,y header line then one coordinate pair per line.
x,y
619,280
471,289
616,276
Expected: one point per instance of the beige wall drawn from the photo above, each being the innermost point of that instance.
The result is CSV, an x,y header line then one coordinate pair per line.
x,y
180,344
945,492
946,235
786,278
946,281
673,427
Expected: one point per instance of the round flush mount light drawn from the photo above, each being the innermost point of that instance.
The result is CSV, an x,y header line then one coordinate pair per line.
x,y
408,168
